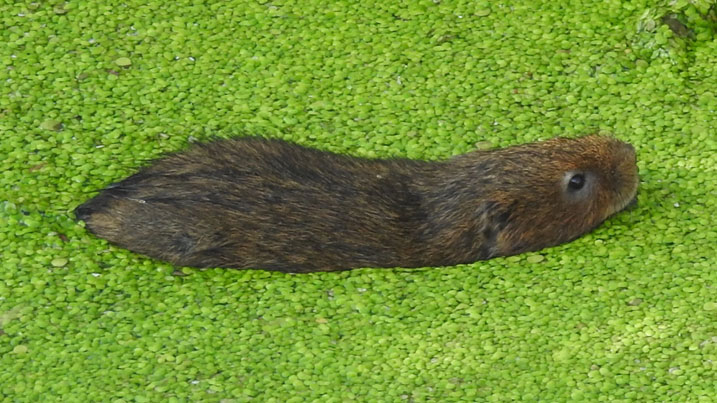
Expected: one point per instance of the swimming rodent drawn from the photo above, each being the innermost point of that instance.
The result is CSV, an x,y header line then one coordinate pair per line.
x,y
269,204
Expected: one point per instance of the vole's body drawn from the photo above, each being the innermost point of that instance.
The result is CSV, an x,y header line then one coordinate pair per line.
x,y
269,204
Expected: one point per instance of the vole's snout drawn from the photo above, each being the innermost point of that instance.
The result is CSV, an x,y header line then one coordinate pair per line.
x,y
627,153
630,149
625,176
624,154
631,157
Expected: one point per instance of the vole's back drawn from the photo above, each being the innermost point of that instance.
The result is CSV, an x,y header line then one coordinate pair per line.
x,y
265,204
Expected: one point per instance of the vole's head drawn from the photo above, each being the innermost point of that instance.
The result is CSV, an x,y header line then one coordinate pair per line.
x,y
551,192
598,175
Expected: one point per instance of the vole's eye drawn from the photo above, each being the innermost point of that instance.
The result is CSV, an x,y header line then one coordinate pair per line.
x,y
576,182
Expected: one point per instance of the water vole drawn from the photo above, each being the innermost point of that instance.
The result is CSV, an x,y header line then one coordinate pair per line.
x,y
274,205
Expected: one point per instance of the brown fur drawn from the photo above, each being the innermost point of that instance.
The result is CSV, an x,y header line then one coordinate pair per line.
x,y
269,204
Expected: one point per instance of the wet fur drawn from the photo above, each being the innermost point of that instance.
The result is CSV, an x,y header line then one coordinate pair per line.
x,y
269,204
